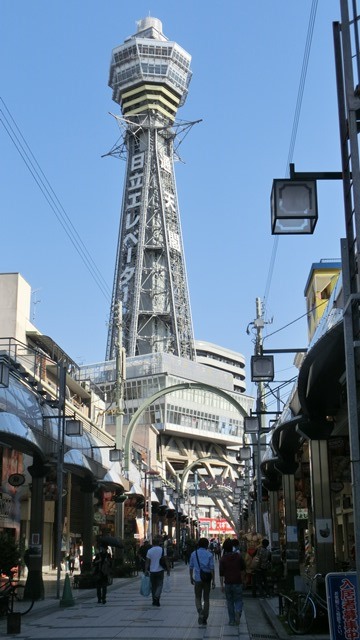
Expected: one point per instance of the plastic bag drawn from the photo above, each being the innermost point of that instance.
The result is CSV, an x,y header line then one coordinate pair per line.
x,y
145,586
167,584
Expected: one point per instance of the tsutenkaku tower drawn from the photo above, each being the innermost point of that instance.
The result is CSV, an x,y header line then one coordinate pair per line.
x,y
149,76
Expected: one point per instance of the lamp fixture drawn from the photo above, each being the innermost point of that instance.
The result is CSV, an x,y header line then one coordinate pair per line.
x,y
73,427
251,424
262,368
293,207
115,455
244,453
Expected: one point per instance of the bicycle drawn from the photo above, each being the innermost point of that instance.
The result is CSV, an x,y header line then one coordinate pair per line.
x,y
304,608
12,598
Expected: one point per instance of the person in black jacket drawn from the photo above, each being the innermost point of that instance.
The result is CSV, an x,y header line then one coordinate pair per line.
x,y
102,564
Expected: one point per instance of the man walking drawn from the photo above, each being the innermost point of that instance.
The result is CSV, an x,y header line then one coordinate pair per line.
x,y
202,576
156,563
232,571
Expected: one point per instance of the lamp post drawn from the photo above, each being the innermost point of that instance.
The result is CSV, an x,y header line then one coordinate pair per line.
x,y
347,63
71,427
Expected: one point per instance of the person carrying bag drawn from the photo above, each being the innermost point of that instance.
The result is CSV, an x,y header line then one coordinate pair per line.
x,y
202,576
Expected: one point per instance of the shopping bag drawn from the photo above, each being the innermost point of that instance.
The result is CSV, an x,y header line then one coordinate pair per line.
x,y
167,584
145,587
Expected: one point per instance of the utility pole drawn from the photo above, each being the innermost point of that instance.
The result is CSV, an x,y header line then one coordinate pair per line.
x,y
120,377
259,324
120,364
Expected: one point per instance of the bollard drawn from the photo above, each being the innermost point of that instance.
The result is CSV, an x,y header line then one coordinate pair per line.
x,y
13,623
67,599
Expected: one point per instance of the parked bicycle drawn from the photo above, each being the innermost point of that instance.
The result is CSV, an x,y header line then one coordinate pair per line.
x,y
12,598
303,608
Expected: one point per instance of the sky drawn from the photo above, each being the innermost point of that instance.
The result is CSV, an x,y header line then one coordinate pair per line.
x,y
247,60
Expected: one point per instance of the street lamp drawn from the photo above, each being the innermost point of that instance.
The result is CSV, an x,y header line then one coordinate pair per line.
x,y
252,426
293,207
243,454
69,427
262,368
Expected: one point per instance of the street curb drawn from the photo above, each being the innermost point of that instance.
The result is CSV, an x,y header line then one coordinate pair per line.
x,y
272,618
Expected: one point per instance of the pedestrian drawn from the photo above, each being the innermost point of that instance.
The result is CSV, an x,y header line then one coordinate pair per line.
x,y
170,552
260,565
155,565
235,544
142,554
232,570
71,560
102,564
202,560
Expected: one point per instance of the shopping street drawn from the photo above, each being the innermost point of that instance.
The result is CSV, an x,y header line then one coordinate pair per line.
x,y
129,616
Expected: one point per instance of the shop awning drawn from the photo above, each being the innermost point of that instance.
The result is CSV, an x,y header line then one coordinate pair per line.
x,y
76,459
18,435
319,385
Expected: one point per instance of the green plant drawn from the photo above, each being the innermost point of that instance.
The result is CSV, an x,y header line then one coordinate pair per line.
x,y
9,554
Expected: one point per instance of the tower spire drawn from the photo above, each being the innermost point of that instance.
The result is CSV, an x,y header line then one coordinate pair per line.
x,y
149,76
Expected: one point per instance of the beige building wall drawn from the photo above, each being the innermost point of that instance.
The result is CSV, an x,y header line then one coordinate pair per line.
x,y
15,306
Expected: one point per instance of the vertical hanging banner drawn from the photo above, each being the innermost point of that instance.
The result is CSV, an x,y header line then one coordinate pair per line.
x,y
342,592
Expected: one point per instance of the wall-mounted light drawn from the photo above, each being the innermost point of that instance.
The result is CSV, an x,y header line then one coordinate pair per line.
x,y
115,455
293,207
244,453
73,427
262,368
251,424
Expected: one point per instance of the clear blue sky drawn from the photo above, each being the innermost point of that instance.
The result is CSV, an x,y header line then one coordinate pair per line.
x,y
247,61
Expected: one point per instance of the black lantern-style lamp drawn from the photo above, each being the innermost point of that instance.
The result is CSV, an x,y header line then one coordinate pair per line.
x,y
251,424
294,207
262,368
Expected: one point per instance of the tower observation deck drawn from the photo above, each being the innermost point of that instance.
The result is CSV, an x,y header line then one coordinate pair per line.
x,y
149,76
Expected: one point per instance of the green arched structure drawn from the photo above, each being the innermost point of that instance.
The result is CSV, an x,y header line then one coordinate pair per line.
x,y
162,392
194,463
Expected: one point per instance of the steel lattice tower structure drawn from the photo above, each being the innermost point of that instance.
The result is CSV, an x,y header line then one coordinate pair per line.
x,y
149,76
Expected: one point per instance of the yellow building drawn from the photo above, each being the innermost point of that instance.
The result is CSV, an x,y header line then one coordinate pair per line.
x,y
322,279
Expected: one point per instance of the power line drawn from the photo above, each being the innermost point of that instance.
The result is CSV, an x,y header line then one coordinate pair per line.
x,y
321,304
295,126
53,201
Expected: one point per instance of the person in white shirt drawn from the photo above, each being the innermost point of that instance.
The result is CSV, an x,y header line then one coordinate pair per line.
x,y
154,557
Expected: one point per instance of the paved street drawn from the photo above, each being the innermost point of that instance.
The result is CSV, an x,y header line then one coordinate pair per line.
x,y
129,616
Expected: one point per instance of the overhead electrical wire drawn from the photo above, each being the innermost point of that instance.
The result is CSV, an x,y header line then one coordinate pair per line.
x,y
50,196
295,126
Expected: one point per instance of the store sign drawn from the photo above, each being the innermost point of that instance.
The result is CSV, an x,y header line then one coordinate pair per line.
x,y
343,605
16,479
216,526
302,514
